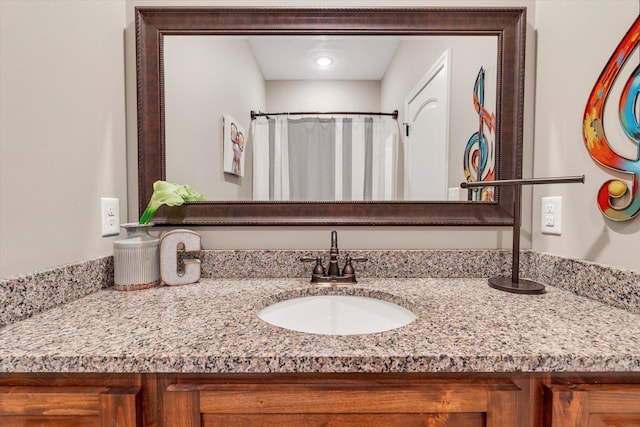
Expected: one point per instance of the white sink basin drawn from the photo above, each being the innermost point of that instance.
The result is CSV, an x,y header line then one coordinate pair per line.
x,y
336,315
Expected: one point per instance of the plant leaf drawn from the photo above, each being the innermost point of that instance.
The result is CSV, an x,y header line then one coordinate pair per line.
x,y
170,194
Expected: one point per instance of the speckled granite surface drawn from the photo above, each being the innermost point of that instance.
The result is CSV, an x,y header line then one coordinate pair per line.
x,y
611,285
614,286
26,295
381,263
21,297
462,325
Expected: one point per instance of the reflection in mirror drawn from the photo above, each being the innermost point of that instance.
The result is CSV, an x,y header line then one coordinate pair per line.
x,y
444,134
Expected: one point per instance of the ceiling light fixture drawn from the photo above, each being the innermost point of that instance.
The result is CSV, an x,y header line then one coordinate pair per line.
x,y
323,61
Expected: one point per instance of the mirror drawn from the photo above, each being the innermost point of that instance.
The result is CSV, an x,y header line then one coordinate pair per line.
x,y
329,157
166,97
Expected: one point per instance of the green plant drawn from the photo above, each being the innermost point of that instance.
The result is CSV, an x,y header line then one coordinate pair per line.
x,y
170,194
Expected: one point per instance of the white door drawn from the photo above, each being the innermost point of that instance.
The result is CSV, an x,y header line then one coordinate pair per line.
x,y
426,135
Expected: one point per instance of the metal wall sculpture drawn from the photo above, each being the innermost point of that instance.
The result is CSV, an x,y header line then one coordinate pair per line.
x,y
479,154
616,201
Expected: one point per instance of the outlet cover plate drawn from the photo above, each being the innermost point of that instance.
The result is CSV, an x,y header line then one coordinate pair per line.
x,y
110,216
551,215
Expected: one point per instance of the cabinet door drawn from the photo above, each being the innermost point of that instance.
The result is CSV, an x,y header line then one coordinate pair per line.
x,y
592,405
70,406
437,405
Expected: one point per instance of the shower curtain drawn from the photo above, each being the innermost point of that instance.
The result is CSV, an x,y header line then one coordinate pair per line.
x,y
314,158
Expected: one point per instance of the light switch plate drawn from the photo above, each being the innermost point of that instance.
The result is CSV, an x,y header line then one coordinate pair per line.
x,y
551,215
110,215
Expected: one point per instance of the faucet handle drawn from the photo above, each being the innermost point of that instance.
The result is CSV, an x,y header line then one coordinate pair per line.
x,y
318,268
348,268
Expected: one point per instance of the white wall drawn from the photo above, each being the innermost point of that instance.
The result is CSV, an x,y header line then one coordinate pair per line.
x,y
412,61
569,61
322,95
202,84
62,133
62,129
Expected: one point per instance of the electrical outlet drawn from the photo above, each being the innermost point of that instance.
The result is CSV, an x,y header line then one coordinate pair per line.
x,y
551,215
549,220
110,215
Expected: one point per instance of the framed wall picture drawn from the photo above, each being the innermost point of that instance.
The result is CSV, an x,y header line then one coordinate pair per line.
x,y
235,139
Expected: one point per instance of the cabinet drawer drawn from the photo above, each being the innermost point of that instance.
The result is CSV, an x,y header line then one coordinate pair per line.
x,y
439,404
70,406
594,405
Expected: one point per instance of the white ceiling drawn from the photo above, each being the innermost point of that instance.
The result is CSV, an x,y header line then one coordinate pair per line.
x,y
293,57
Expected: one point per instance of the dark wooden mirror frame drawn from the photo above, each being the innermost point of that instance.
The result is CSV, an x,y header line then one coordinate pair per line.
x,y
508,24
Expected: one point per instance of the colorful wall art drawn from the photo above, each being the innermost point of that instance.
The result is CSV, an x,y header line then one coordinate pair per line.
x,y
234,145
479,154
615,199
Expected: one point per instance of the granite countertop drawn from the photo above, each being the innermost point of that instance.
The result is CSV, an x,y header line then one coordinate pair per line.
x,y
462,325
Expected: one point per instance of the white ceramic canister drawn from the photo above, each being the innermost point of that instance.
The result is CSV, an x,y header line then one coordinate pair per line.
x,y
136,259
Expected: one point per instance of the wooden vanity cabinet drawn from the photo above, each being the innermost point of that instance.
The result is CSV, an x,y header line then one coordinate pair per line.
x,y
459,403
311,399
592,405
71,400
69,406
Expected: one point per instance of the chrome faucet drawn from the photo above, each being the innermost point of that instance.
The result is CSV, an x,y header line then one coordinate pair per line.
x,y
333,275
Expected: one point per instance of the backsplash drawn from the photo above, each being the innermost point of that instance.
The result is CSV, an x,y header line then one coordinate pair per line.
x,y
381,263
24,296
617,287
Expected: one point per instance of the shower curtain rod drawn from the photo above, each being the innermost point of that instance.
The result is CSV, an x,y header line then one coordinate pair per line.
x,y
255,114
